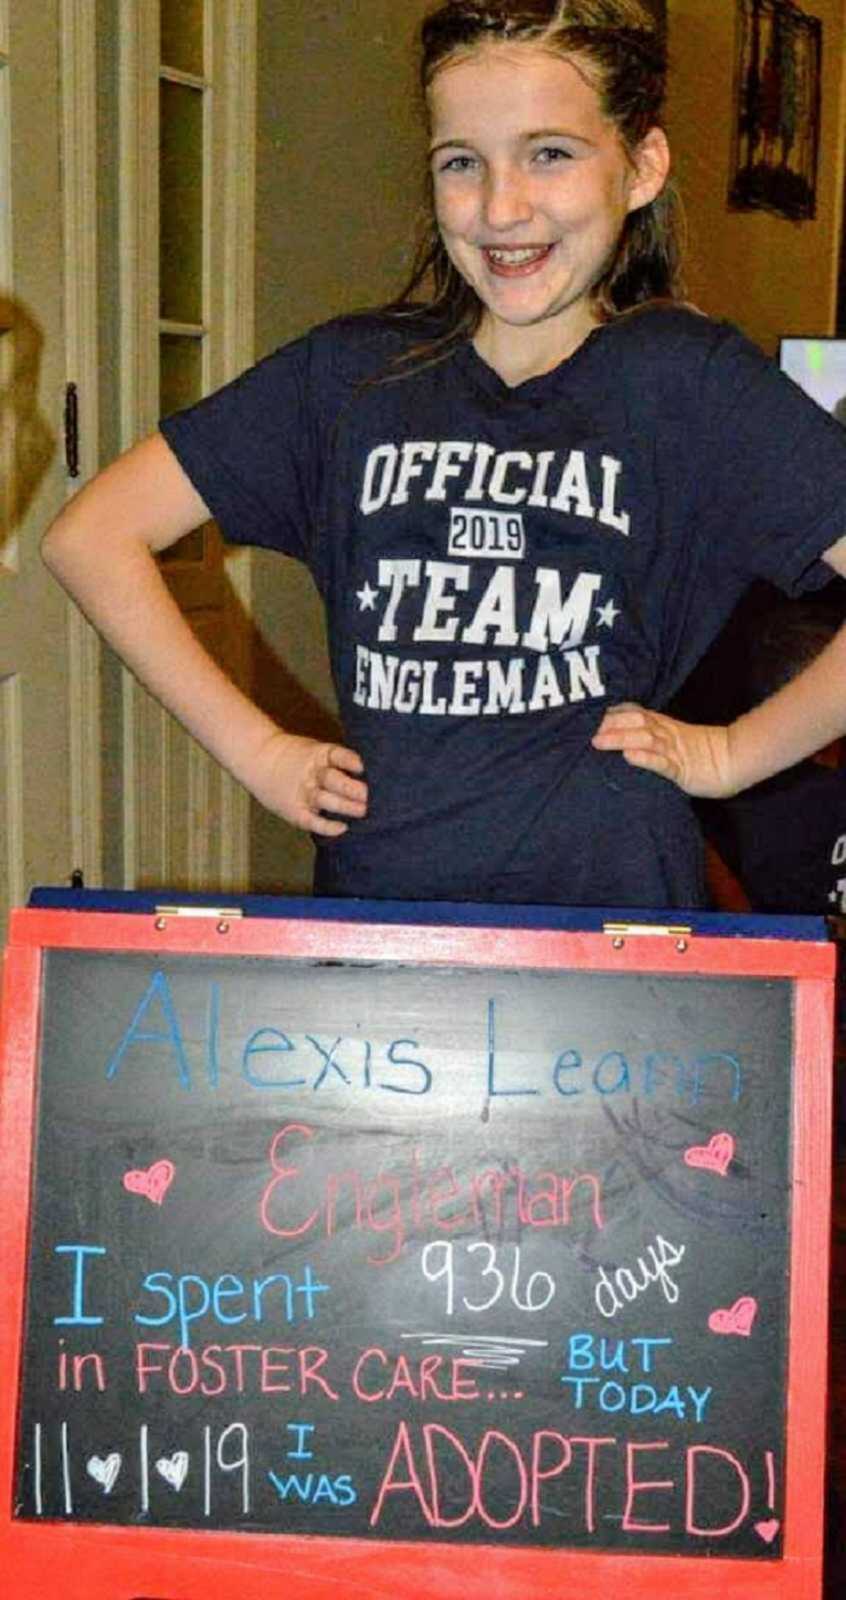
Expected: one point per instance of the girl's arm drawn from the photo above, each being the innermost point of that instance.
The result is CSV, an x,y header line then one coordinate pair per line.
x,y
714,762
101,547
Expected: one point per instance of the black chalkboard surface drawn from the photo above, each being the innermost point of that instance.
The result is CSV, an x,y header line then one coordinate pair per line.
x,y
364,1249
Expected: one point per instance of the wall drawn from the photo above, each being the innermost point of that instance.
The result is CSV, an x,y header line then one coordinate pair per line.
x,y
768,274
339,180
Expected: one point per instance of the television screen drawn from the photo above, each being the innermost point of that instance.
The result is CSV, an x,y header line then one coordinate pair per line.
x,y
818,365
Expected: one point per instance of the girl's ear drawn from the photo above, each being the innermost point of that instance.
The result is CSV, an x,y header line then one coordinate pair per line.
x,y
651,161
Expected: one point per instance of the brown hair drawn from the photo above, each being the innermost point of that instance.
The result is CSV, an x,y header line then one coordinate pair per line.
x,y
623,54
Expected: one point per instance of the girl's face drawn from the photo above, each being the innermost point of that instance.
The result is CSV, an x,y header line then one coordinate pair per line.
x,y
532,187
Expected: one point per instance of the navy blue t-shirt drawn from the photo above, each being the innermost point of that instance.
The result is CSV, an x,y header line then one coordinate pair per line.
x,y
785,840
500,565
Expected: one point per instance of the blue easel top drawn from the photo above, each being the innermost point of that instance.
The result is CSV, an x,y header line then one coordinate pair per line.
x,y
567,919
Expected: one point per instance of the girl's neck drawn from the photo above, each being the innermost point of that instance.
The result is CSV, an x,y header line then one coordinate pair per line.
x,y
518,354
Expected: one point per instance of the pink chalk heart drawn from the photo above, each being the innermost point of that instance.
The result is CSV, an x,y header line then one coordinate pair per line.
x,y
153,1182
735,1319
715,1156
767,1530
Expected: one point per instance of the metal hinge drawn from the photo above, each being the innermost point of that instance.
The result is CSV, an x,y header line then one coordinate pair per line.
x,y
72,430
619,932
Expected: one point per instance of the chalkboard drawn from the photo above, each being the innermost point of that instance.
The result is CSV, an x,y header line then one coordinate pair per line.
x,y
366,1249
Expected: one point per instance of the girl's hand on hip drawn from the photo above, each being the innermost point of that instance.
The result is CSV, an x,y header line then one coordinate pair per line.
x,y
694,756
309,783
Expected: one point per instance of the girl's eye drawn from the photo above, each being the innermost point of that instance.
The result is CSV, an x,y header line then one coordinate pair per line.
x,y
550,154
457,164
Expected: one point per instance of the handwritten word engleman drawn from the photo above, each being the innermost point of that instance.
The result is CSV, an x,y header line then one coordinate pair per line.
x,y
396,1203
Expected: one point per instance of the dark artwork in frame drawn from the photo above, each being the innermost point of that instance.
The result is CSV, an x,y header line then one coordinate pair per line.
x,y
657,9
777,124
840,322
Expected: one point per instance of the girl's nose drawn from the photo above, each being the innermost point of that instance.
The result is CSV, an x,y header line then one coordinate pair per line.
x,y
506,200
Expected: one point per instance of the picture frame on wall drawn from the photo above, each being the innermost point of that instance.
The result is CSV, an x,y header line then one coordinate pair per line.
x,y
777,123
840,311
658,8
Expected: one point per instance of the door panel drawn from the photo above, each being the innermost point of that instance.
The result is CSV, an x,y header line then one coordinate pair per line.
x,y
185,116
36,837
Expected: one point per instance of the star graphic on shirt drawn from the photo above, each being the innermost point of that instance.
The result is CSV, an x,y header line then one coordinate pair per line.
x,y
607,615
367,598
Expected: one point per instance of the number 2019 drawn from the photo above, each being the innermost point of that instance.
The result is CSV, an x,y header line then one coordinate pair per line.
x,y
486,533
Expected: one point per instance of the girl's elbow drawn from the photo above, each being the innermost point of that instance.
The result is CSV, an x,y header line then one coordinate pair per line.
x,y
52,545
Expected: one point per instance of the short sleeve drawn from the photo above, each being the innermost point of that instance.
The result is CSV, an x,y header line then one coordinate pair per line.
x,y
252,450
772,473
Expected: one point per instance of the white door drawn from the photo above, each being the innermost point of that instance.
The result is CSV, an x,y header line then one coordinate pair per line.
x,y
38,836
186,109
93,776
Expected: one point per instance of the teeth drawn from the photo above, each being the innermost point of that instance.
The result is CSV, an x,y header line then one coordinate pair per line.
x,y
515,258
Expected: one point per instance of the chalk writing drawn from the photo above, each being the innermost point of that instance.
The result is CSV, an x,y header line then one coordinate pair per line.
x,y
306,1063
438,1261
615,1289
486,1257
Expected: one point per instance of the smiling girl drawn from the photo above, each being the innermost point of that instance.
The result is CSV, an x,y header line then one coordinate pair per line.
x,y
530,492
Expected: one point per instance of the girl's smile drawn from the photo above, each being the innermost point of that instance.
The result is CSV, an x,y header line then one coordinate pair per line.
x,y
532,188
517,263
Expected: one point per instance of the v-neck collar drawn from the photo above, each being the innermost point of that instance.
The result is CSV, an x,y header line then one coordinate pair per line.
x,y
530,392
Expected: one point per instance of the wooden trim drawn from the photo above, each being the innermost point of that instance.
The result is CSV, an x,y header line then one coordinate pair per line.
x,y
138,336
201,772
139,213
183,330
11,747
423,944
240,56
240,186
189,80
129,695
226,332
79,199
838,242
9,543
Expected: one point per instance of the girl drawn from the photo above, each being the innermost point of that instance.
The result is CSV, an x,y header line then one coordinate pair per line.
x,y
529,501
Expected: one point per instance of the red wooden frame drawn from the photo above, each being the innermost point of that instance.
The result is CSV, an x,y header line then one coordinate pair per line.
x,y
76,1561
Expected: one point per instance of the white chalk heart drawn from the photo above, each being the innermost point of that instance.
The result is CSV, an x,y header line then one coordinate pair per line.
x,y
104,1472
174,1469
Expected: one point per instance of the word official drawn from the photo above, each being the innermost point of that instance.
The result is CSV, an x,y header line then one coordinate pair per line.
x,y
551,479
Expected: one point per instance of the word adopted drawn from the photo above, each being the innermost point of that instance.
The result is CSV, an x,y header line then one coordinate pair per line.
x,y
432,1468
